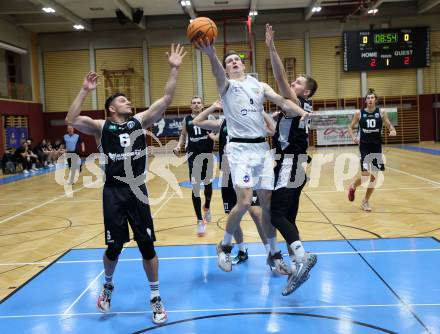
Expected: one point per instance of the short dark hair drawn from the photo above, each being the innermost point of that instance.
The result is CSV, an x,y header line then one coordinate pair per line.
x,y
311,84
197,97
227,54
371,91
110,99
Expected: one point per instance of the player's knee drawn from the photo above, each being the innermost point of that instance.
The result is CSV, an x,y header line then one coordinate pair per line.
x,y
147,250
113,250
245,203
372,178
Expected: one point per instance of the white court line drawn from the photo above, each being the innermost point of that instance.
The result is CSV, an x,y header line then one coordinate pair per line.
x,y
274,308
375,189
99,275
214,256
413,175
42,204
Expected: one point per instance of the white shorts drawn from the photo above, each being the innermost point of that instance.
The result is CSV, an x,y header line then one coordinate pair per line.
x,y
251,165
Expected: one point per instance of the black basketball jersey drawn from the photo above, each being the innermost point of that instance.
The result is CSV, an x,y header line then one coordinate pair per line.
x,y
222,140
198,139
292,134
370,126
120,142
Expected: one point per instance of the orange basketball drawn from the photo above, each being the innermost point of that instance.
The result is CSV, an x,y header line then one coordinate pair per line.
x,y
200,29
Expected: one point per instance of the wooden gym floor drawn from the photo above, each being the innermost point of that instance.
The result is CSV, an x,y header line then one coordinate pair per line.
x,y
39,221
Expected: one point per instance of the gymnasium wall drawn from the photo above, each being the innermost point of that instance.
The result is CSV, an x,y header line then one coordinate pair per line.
x,y
63,76
159,70
120,59
34,112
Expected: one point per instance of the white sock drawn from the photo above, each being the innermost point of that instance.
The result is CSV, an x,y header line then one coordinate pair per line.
x,y
273,245
267,248
227,239
242,247
154,289
292,263
298,249
109,279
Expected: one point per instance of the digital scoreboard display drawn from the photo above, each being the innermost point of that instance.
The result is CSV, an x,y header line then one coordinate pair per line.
x,y
386,48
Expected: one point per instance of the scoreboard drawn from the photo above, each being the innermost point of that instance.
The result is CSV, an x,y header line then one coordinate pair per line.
x,y
368,50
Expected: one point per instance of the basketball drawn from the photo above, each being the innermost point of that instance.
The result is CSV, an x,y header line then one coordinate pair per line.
x,y
201,28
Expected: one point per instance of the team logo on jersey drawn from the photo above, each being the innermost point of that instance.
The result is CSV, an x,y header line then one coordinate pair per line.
x,y
236,89
307,107
112,127
244,112
130,125
256,90
246,178
364,115
377,115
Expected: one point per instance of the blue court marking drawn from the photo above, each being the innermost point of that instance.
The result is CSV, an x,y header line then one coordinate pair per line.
x,y
216,184
343,295
22,176
419,149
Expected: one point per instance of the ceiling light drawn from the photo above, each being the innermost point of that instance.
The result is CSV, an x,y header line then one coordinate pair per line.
x,y
316,9
78,27
185,3
373,11
253,13
48,10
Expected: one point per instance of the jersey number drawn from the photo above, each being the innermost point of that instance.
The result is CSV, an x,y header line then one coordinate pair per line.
x,y
371,123
197,131
124,139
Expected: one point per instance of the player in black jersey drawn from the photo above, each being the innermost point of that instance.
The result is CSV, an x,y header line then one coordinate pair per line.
x,y
121,138
370,122
291,143
199,148
229,196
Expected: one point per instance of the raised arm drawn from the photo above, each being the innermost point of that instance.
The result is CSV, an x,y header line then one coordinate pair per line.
x,y
270,124
202,120
156,110
388,124
84,124
182,138
353,124
278,68
289,107
216,65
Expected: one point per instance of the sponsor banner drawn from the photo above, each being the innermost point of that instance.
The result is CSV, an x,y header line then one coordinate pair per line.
x,y
14,136
333,136
335,118
168,127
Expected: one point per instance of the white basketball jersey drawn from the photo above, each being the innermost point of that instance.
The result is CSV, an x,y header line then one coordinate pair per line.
x,y
243,108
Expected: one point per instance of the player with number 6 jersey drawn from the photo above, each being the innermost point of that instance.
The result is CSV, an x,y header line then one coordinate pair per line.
x,y
121,139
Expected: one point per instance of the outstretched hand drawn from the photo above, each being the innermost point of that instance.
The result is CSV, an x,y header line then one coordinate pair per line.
x,y
175,56
217,105
269,36
393,133
205,46
90,81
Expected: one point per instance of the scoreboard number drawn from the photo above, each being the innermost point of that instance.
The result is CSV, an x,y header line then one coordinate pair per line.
x,y
386,49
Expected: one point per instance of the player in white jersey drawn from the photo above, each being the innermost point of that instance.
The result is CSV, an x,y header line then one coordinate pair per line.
x,y
249,156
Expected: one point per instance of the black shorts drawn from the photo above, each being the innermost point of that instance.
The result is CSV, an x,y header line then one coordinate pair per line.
x,y
229,197
201,167
371,158
122,207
